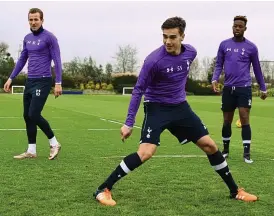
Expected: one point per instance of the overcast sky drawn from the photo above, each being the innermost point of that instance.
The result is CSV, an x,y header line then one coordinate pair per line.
x,y
97,28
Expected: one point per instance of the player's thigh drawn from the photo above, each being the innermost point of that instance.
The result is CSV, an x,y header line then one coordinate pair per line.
x,y
179,132
229,100
190,128
244,97
154,123
40,92
26,102
27,96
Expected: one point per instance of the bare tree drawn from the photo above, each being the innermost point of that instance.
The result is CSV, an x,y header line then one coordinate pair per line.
x,y
267,70
194,70
211,69
6,61
3,48
266,67
72,67
126,59
205,65
108,68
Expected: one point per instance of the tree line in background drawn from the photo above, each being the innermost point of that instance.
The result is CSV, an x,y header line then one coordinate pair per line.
x,y
86,74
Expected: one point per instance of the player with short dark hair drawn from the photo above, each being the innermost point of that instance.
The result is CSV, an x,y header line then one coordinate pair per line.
x,y
235,55
162,80
40,47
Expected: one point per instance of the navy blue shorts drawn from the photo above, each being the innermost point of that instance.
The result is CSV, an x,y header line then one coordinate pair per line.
x,y
235,97
179,119
35,94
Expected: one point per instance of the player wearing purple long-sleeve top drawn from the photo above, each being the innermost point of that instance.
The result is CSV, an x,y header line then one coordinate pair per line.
x,y
40,48
235,56
162,81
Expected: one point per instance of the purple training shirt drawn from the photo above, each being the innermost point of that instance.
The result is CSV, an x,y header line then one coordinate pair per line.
x,y
162,79
40,50
236,58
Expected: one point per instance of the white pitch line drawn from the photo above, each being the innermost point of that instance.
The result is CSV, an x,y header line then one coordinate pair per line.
x,y
116,122
19,117
100,117
164,156
102,129
10,117
90,129
103,119
17,129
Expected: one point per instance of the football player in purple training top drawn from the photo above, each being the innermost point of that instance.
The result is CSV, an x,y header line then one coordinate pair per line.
x,y
40,47
162,82
235,56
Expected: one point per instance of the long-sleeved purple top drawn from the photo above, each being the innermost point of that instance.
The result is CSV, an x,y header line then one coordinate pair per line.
x,y
40,50
236,58
162,79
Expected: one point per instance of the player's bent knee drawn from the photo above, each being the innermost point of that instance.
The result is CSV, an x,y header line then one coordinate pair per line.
x,y
34,117
146,151
244,119
207,144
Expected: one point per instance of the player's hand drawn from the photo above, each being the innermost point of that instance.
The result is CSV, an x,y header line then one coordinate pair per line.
x,y
215,86
263,95
7,85
57,90
125,132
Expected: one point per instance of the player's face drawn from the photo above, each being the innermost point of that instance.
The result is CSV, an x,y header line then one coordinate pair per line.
x,y
172,39
35,21
238,28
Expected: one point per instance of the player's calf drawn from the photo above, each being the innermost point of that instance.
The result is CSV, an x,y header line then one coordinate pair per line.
x,y
128,164
226,134
218,162
246,137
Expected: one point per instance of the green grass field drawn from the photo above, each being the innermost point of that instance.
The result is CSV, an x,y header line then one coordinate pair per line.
x,y
92,149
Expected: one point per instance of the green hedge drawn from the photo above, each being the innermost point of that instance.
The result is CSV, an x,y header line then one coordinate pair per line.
x,y
196,89
118,82
123,81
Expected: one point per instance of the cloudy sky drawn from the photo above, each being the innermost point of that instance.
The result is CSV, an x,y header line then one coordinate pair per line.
x,y
96,29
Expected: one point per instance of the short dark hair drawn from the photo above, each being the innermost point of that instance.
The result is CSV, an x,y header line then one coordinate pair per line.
x,y
175,22
242,18
36,10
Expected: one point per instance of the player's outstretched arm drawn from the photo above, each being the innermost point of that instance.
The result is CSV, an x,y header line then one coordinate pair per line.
x,y
218,68
144,79
18,67
56,56
258,73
